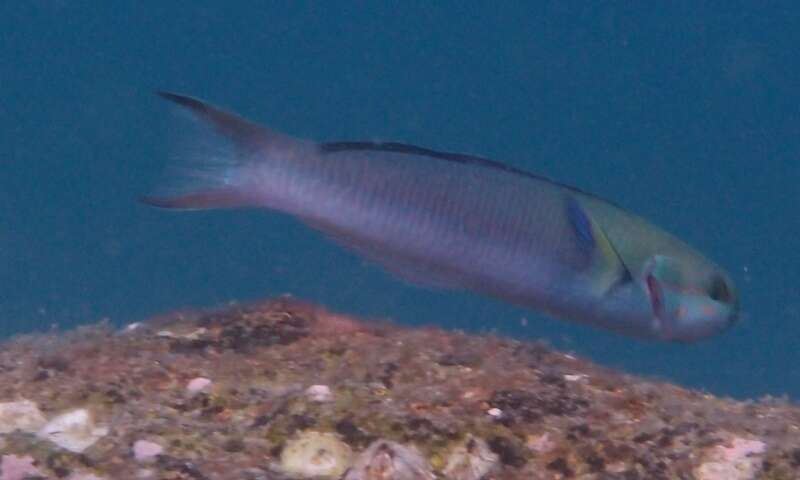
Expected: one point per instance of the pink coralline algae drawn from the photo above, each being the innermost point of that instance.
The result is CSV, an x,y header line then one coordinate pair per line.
x,y
284,390
14,467
146,451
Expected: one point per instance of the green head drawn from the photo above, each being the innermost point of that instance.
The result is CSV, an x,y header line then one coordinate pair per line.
x,y
690,300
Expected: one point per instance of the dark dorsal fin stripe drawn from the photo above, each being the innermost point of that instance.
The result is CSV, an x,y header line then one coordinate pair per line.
x,y
395,147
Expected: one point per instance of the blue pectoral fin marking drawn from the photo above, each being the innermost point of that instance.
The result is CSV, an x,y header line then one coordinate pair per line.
x,y
600,260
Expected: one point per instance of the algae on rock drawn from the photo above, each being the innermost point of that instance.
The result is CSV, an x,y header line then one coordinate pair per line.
x,y
287,390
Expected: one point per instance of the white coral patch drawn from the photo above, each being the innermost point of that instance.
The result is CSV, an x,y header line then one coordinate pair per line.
x,y
74,430
389,460
315,455
739,459
22,415
470,460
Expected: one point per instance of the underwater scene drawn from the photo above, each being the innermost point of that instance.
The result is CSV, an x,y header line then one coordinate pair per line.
x,y
399,240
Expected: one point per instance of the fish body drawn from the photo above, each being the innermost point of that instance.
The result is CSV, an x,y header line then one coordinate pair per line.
x,y
458,221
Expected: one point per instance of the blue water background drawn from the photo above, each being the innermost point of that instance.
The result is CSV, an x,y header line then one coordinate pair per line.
x,y
685,112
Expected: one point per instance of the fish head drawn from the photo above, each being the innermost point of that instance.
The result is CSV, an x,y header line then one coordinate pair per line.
x,y
689,300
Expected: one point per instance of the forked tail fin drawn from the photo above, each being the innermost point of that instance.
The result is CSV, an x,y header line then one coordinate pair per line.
x,y
212,164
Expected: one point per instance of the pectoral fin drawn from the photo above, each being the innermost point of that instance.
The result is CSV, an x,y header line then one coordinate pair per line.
x,y
600,261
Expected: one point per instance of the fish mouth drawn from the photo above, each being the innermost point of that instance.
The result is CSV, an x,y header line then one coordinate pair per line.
x,y
655,292
656,295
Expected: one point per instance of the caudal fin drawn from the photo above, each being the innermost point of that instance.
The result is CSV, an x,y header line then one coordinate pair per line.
x,y
213,158
208,199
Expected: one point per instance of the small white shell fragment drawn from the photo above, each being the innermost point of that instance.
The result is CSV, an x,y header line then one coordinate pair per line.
x,y
197,385
575,378
21,415
319,393
314,454
146,451
495,412
470,460
389,460
132,326
74,430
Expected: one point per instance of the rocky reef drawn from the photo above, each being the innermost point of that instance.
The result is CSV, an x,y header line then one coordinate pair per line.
x,y
286,390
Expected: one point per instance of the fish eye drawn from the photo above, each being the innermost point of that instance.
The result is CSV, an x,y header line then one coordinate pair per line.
x,y
720,291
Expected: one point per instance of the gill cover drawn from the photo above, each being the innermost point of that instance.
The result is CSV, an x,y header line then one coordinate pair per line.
x,y
604,267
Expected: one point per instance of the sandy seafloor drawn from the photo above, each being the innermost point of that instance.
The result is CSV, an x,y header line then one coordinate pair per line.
x,y
288,390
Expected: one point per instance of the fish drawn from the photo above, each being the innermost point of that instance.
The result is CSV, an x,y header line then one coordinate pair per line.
x,y
457,221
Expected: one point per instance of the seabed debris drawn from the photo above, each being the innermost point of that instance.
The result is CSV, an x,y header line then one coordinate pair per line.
x,y
284,390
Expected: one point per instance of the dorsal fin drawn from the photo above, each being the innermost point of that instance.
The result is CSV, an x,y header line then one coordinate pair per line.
x,y
395,147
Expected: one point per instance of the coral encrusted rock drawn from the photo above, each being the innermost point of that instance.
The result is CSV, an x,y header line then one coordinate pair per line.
x,y
283,390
